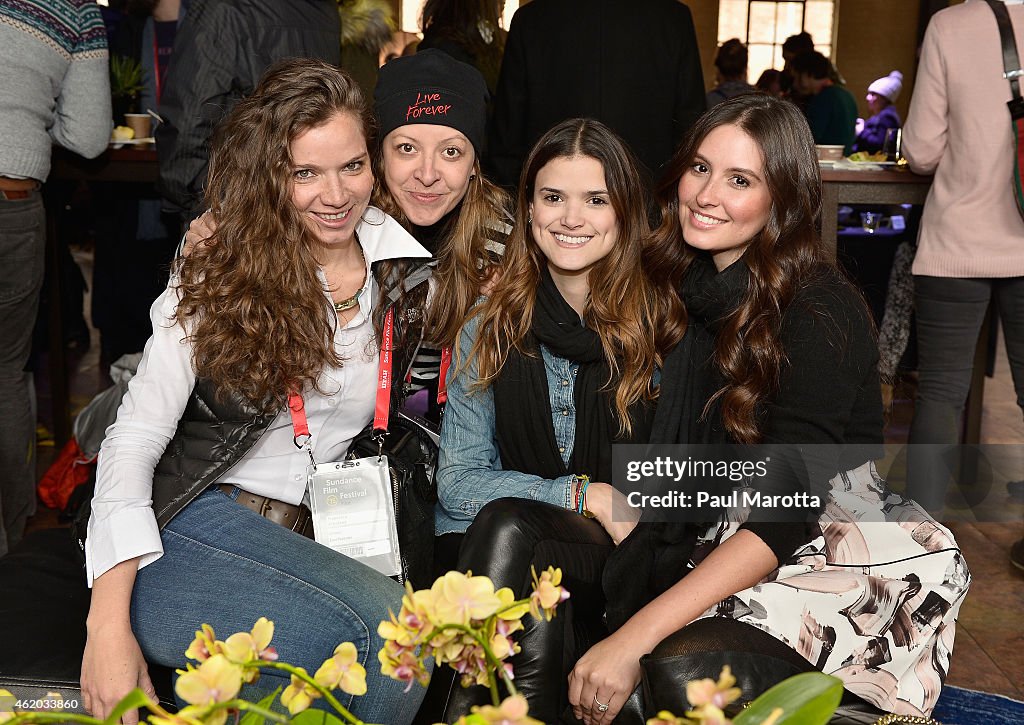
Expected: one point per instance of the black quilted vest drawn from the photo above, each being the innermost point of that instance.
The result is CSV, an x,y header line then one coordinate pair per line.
x,y
212,436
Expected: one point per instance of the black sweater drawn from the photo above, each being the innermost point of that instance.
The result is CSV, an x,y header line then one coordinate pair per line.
x,y
828,393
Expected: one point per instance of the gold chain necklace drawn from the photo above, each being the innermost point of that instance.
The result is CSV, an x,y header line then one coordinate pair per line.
x,y
349,302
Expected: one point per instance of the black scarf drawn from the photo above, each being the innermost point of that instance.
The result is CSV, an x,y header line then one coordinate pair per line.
x,y
433,235
522,405
655,555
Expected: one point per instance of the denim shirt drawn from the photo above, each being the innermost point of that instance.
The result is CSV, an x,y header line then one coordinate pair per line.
x,y
469,472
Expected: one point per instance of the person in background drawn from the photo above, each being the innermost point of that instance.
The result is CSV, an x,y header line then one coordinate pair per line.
x,y
467,30
279,305
367,28
793,46
556,366
882,94
970,251
770,82
135,242
831,109
634,66
220,52
55,84
401,43
731,65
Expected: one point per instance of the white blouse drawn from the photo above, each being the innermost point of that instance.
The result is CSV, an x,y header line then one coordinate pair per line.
x,y
123,525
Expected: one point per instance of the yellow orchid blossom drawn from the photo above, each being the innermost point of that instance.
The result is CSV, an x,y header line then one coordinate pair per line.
x,y
299,695
215,680
343,670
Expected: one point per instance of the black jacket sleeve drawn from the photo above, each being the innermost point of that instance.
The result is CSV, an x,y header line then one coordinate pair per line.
x,y
199,89
508,142
829,401
690,97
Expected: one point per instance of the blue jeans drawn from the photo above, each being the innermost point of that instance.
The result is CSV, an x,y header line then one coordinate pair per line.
x,y
22,246
227,566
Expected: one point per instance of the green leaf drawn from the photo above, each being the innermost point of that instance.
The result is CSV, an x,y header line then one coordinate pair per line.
x,y
316,717
809,698
132,701
254,718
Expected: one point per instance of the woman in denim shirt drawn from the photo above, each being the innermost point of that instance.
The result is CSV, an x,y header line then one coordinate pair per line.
x,y
556,366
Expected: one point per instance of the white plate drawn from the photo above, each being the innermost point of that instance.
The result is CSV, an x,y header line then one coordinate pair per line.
x,y
876,163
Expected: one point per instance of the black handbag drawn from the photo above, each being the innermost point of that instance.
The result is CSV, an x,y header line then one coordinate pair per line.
x,y
411,445
664,685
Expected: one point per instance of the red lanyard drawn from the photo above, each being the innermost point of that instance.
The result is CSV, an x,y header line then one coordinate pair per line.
x,y
442,378
156,66
382,409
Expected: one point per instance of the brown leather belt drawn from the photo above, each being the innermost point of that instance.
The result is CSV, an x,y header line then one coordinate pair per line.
x,y
17,189
294,518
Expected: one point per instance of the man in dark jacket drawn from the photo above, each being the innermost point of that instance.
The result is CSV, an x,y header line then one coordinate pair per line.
x,y
633,65
220,52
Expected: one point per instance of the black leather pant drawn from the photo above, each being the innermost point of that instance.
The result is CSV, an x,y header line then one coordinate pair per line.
x,y
509,535
506,538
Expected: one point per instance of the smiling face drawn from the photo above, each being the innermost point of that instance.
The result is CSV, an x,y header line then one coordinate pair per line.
x,y
427,169
574,223
331,178
724,200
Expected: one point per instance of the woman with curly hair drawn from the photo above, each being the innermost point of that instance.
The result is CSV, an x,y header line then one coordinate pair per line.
x,y
779,350
431,113
278,307
555,366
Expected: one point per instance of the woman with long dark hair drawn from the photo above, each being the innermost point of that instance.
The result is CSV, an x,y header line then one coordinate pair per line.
x,y
278,306
779,349
555,366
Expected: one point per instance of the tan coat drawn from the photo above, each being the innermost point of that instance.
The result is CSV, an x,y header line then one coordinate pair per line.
x,y
959,129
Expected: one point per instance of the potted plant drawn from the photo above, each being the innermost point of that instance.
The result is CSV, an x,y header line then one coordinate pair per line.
x,y
125,86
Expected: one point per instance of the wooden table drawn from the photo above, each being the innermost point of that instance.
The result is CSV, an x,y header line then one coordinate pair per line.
x,y
131,164
902,186
843,186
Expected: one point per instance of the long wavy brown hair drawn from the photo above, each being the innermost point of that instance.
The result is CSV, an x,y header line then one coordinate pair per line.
x,y
463,262
251,301
783,257
636,321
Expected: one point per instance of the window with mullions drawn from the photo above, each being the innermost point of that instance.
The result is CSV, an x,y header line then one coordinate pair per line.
x,y
764,26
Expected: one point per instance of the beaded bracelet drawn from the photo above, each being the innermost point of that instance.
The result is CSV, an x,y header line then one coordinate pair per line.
x,y
581,505
580,486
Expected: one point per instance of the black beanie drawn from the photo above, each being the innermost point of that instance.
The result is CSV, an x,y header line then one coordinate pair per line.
x,y
431,87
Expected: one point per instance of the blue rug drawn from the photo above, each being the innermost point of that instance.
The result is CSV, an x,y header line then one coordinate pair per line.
x,y
958,706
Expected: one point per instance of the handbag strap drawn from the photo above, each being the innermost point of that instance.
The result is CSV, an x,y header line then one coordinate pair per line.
x,y
1011,61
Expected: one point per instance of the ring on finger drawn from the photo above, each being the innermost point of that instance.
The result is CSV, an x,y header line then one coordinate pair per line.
x,y
601,707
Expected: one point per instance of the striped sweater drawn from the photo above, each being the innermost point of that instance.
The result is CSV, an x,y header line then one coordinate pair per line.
x,y
54,83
